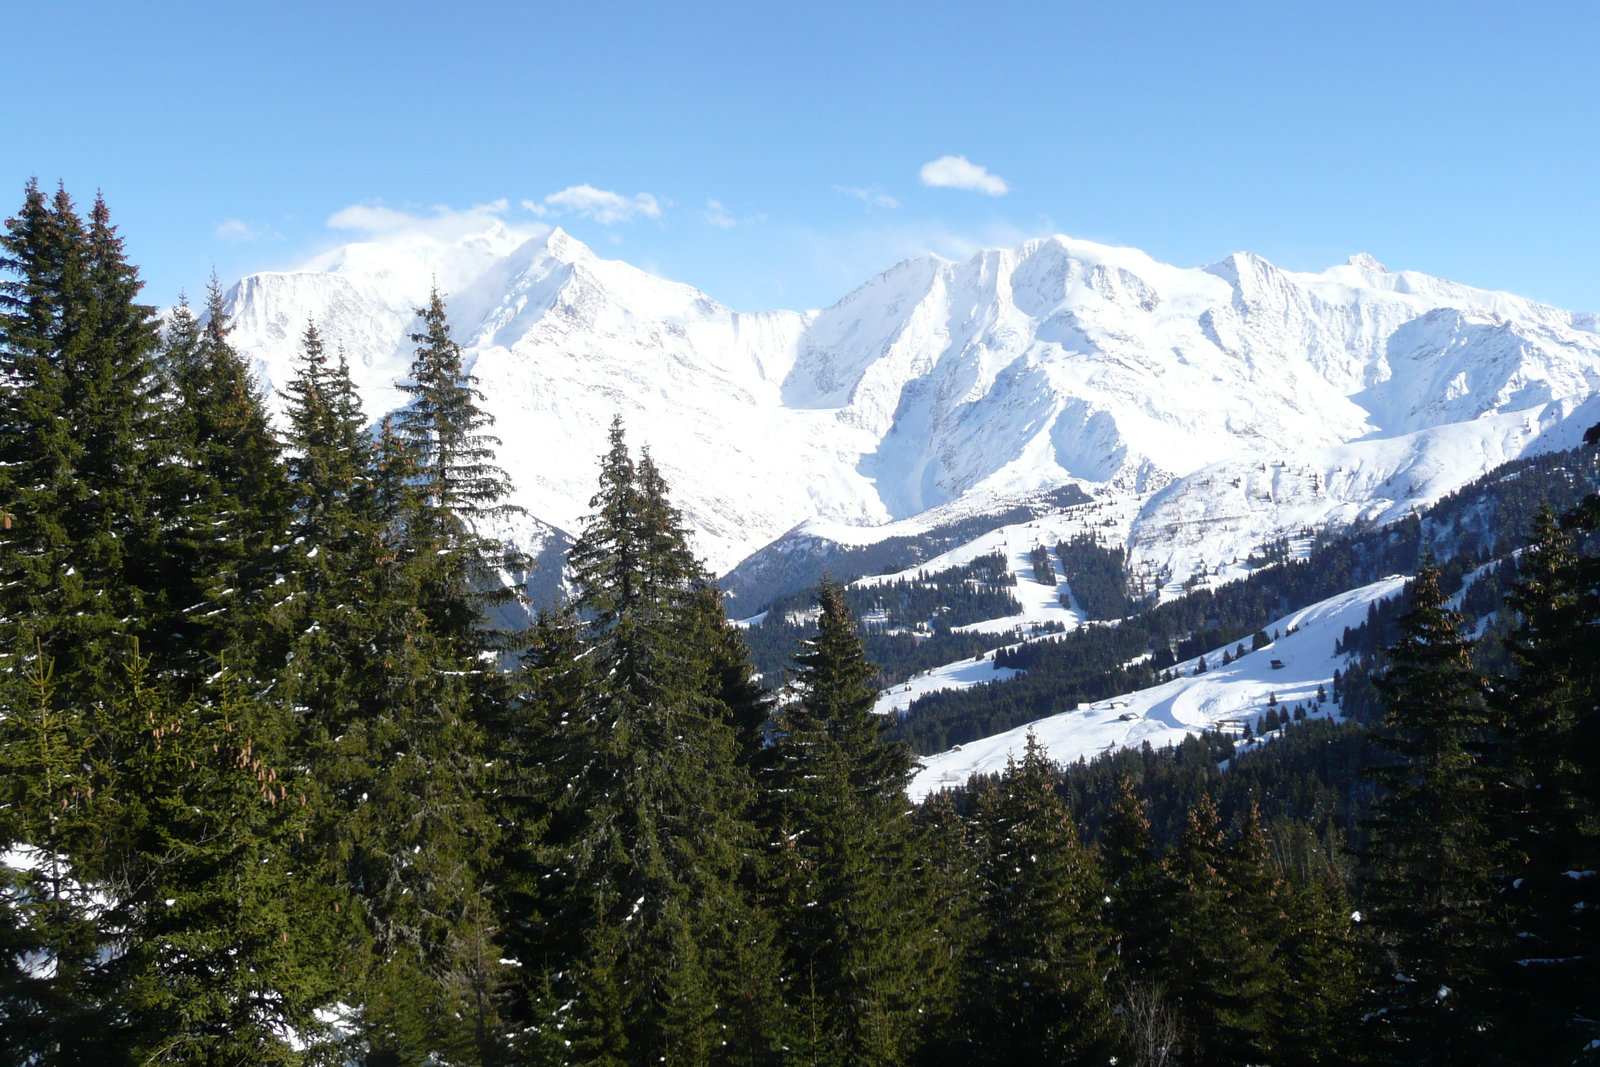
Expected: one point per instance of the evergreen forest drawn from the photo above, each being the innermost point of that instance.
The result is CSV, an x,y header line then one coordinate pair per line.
x,y
277,788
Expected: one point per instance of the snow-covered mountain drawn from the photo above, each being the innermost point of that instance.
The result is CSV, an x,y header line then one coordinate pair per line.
x,y
1230,402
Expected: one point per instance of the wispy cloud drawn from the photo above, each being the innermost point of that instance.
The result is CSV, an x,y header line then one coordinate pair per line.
x,y
601,205
852,255
445,223
871,197
958,172
718,215
240,230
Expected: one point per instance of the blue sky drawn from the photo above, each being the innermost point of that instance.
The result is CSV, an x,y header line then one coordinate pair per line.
x,y
772,153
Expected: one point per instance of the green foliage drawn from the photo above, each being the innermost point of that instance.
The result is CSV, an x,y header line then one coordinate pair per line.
x,y
833,804
1097,576
649,948
1035,987
1543,802
223,493
78,536
1430,850
268,793
168,881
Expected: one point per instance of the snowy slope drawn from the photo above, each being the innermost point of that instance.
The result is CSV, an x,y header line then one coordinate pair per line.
x,y
1223,697
940,385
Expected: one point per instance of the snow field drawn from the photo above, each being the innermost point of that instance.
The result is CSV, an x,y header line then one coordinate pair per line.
x,y
1041,604
1223,697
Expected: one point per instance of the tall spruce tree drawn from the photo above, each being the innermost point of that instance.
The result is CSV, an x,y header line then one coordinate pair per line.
x,y
1222,976
1548,974
1036,989
412,763
57,999
1430,856
459,489
224,495
175,915
534,760
835,806
1323,976
77,536
1140,886
641,898
948,850
225,932
1583,936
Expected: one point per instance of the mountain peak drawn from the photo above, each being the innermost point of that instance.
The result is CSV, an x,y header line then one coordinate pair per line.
x,y
560,244
1017,370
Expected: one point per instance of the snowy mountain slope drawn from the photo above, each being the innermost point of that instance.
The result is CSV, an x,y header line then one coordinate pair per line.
x,y
966,386
1220,513
1223,697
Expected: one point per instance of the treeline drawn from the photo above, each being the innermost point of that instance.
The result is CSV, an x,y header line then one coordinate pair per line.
x,y
275,792
1458,826
907,625
1480,524
789,567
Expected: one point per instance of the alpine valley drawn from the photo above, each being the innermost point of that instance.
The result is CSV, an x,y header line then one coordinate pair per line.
x,y
1053,658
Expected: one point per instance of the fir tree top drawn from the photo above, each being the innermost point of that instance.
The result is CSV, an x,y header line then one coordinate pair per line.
x,y
443,425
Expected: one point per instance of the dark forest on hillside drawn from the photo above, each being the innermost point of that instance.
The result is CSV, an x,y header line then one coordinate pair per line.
x,y
274,791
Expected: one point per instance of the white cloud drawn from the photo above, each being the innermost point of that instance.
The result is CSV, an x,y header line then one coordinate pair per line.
x,y
871,197
601,205
718,215
240,230
957,172
446,223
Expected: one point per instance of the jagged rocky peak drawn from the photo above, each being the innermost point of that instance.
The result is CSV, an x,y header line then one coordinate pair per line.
x,y
1012,371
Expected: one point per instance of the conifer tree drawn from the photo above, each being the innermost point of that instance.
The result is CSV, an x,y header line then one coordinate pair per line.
x,y
1429,860
534,756
1036,984
834,801
386,687
1547,977
57,1013
648,837
1142,912
1141,888
224,494
77,354
459,489
449,490
948,852
183,920
316,634
227,925
1222,973
1318,954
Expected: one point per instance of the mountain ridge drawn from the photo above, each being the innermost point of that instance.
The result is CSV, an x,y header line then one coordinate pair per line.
x,y
1058,362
